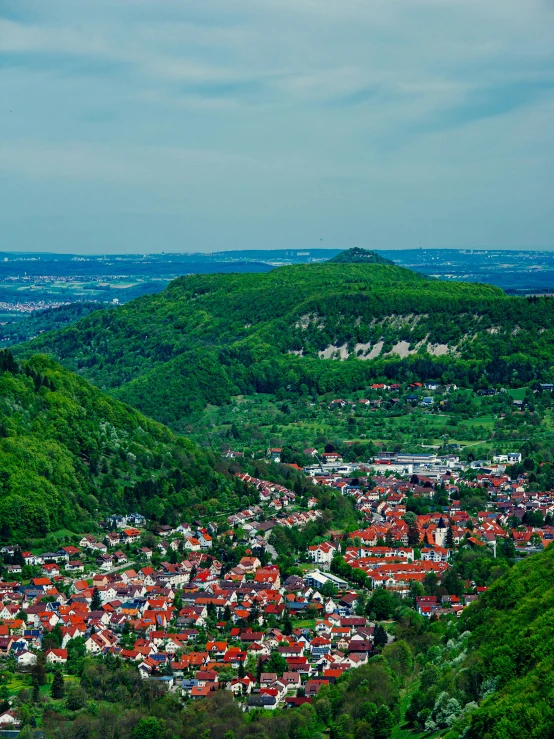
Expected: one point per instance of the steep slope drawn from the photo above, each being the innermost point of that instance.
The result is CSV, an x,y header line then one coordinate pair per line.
x,y
209,336
69,453
511,655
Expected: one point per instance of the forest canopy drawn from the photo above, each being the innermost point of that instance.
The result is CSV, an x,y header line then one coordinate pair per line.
x,y
69,453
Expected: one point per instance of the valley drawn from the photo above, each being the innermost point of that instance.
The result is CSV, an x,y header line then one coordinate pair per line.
x,y
311,501
417,420
276,370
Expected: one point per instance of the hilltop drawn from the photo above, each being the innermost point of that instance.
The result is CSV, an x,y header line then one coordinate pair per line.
x,y
69,453
208,337
359,256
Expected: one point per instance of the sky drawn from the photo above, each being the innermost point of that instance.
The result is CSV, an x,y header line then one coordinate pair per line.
x,y
204,125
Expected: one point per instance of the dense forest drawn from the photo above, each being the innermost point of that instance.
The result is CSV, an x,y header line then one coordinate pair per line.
x,y
69,453
208,337
511,653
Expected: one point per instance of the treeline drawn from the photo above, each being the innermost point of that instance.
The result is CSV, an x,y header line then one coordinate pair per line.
x,y
313,376
112,702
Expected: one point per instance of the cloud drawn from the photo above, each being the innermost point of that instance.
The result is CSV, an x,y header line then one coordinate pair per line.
x,y
366,115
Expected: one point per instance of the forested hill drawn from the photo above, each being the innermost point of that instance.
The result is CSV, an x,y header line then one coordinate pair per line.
x,y
510,661
69,453
359,256
207,337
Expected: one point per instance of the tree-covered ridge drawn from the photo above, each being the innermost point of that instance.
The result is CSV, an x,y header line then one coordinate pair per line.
x,y
69,453
208,337
212,310
489,676
511,656
258,312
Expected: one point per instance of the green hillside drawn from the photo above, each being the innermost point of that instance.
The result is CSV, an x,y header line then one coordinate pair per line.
x,y
207,337
511,654
69,453
488,674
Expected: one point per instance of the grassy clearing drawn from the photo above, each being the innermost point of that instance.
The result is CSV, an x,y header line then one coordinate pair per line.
x,y
403,732
22,681
38,545
307,623
518,393
487,424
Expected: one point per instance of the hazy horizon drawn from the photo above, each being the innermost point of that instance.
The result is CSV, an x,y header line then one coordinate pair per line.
x,y
268,250
147,127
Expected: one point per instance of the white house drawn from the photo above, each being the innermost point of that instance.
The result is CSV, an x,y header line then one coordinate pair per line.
x,y
192,544
437,554
8,719
205,541
56,656
322,554
26,659
240,686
